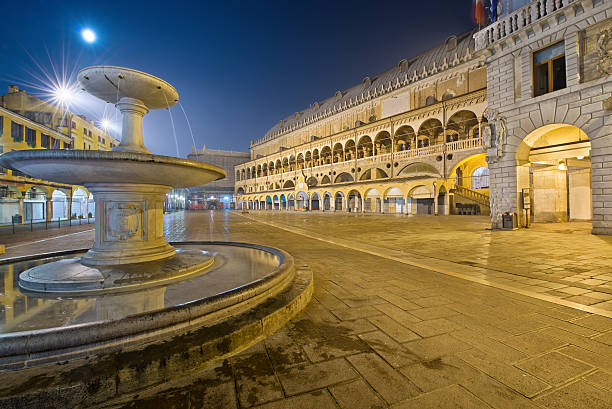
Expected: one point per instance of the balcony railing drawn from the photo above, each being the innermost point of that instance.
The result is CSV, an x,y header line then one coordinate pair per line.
x,y
507,25
450,147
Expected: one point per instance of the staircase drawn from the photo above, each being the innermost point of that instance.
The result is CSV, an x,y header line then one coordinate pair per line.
x,y
472,197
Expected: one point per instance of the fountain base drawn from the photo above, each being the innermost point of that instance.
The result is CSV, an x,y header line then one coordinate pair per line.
x,y
69,277
129,224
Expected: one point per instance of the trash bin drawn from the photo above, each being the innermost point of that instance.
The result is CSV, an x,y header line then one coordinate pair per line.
x,y
17,219
509,221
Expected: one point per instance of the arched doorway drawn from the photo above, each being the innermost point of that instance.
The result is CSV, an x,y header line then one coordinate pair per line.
x,y
301,201
421,201
315,202
291,202
372,201
394,201
327,201
354,201
339,201
79,204
554,175
34,206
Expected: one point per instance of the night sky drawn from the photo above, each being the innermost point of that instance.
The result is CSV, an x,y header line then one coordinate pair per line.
x,y
239,67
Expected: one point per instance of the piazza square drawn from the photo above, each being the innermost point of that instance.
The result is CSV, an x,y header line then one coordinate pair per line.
x,y
190,232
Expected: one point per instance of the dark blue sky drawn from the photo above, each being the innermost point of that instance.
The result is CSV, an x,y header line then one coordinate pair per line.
x,y
239,67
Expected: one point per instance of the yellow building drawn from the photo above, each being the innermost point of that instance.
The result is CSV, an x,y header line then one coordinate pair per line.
x,y
27,122
407,140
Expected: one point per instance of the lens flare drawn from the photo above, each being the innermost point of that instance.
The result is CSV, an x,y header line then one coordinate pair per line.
x,y
88,35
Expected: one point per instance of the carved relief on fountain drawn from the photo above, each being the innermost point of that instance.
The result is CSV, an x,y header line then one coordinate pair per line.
x,y
124,221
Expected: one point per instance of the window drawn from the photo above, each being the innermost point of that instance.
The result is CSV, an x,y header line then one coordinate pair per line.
x,y
16,132
103,141
47,119
1,125
480,178
55,143
30,137
549,69
45,141
90,133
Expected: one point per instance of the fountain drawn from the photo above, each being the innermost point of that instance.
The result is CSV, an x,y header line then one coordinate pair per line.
x,y
133,298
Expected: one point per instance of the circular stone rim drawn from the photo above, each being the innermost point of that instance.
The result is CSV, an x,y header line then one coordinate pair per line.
x,y
82,73
15,346
9,159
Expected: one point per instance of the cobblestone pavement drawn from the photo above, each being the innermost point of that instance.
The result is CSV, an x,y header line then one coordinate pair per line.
x,y
381,332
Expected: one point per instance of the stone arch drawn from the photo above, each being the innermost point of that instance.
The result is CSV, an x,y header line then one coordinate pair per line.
x,y
311,182
338,153
365,147
240,191
344,177
339,202
372,202
421,200
315,157
301,200
315,201
462,125
327,201
326,155
354,201
300,161
429,133
308,159
419,169
325,180
393,200
404,138
288,184
382,143
350,151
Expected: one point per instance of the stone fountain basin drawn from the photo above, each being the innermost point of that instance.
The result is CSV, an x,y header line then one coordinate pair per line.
x,y
84,167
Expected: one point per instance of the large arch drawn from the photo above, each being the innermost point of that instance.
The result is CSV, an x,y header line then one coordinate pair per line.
x,y
554,167
301,201
326,155
327,201
34,206
350,151
288,184
419,169
291,201
315,201
339,202
338,153
354,201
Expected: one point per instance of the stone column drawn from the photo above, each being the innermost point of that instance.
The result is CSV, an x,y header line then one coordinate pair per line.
x,y
48,207
21,207
132,110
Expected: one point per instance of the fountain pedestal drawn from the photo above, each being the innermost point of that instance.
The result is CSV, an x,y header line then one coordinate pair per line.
x,y
129,224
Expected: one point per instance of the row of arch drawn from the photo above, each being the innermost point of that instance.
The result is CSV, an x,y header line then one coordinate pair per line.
x,y
40,203
419,199
462,125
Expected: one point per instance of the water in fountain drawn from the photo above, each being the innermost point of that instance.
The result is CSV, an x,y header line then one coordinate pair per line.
x,y
173,128
188,125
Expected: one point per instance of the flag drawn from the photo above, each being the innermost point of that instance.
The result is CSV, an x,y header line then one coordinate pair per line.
x,y
479,12
494,11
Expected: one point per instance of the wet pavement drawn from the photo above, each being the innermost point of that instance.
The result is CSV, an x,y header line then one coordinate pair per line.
x,y
410,312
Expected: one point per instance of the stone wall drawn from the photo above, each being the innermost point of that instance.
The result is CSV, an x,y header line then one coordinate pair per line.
x,y
584,103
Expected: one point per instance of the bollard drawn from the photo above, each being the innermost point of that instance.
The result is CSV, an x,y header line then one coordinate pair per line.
x,y
59,225
31,224
46,224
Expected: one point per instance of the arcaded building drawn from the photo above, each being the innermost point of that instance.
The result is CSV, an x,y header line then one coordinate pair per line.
x,y
513,120
407,140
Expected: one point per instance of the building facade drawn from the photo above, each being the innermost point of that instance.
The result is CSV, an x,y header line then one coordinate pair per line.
x,y
27,122
219,193
549,87
512,120
408,140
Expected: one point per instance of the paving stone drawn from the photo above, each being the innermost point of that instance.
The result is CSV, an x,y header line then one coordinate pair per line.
x,y
431,313
605,338
393,328
583,342
510,376
320,399
431,301
390,384
554,367
283,351
433,327
393,352
356,395
596,322
534,343
363,301
397,313
439,372
451,397
400,302
501,351
577,395
334,347
255,380
434,347
601,379
601,361
356,313
496,394
304,378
